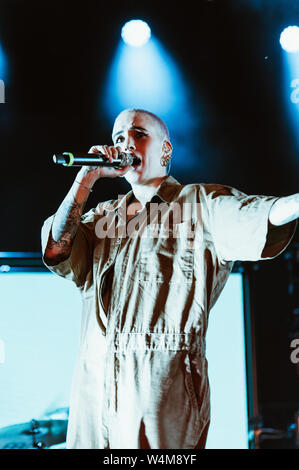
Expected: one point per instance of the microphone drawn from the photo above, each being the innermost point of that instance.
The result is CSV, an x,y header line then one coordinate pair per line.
x,y
94,159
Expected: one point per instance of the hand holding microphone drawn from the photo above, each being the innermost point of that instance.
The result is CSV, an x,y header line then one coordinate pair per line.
x,y
101,161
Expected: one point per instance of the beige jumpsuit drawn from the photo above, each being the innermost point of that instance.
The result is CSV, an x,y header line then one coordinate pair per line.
x,y
141,378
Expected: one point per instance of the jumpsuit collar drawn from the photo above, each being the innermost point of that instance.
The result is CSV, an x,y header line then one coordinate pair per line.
x,y
167,192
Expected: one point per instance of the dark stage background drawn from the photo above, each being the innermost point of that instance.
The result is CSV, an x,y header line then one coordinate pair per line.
x,y
229,55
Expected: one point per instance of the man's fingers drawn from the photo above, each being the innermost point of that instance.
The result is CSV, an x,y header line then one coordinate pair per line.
x,y
110,151
93,149
114,153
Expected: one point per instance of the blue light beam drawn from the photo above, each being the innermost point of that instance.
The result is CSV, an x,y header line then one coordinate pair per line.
x,y
289,41
3,66
147,77
3,75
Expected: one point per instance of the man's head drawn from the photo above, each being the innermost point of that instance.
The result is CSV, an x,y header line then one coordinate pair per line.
x,y
146,136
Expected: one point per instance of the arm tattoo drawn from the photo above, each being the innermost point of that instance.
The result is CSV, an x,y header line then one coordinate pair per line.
x,y
66,221
64,229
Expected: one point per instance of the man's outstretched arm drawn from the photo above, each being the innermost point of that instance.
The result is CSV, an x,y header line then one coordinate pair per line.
x,y
284,210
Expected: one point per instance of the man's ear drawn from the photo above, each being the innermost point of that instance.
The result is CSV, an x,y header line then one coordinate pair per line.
x,y
167,148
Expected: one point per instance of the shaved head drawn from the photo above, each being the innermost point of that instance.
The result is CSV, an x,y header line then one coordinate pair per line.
x,y
159,124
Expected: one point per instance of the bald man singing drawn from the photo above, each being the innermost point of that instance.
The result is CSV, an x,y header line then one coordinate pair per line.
x,y
150,266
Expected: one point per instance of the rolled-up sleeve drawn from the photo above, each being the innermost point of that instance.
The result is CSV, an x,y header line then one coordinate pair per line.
x,y
77,265
240,227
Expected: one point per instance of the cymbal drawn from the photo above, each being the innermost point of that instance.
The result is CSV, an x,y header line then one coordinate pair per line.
x,y
34,434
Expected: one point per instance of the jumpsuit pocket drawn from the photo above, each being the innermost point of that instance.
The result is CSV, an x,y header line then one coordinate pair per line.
x,y
167,260
159,238
161,268
192,395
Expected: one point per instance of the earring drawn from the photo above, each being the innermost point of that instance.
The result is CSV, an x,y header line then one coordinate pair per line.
x,y
164,161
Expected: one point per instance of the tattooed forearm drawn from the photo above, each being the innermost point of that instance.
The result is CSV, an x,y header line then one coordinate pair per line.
x,y
65,224
56,252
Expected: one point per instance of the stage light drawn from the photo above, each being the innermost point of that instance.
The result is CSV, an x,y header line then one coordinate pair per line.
x,y
148,77
145,77
2,64
289,39
136,33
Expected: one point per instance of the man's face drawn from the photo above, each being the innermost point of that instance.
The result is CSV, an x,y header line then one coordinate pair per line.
x,y
138,134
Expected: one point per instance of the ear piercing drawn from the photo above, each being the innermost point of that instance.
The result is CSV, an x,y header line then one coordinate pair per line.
x,y
164,161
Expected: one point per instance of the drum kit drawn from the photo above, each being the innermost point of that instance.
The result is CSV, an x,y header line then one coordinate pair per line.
x,y
36,434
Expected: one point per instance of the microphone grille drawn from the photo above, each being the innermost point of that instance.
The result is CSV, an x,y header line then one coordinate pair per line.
x,y
126,158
